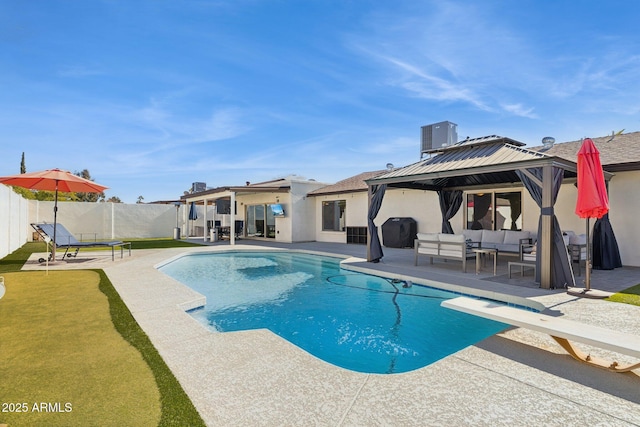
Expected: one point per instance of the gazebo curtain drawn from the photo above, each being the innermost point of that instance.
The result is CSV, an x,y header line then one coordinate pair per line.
x,y
561,274
606,255
516,210
481,205
375,248
450,202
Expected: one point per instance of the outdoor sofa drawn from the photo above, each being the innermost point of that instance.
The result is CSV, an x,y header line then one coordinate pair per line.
x,y
460,246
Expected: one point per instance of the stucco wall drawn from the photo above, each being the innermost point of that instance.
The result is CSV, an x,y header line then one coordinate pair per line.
x,y
14,220
304,219
624,211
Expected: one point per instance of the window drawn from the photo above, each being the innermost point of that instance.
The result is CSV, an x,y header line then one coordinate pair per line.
x,y
333,215
494,211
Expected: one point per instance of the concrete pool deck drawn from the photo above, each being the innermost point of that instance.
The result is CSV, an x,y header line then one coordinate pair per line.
x,y
517,377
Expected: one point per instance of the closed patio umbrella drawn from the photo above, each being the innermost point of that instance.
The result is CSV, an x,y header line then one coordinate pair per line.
x,y
193,214
53,180
593,201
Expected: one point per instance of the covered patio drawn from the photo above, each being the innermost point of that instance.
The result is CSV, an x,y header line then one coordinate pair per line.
x,y
482,164
229,194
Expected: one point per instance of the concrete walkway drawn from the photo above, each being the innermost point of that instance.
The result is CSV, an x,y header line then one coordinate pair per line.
x,y
515,378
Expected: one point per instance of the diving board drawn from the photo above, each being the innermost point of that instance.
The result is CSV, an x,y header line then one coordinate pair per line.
x,y
563,331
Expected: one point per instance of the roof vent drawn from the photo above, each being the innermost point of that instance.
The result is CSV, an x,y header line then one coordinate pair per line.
x,y
438,135
548,141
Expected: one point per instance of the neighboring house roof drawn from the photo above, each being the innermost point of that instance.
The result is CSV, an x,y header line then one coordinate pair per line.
x,y
350,185
617,152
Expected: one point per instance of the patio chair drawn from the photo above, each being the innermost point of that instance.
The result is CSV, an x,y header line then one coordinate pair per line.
x,y
64,239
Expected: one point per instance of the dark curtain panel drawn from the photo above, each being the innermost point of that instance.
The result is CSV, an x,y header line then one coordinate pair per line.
x,y
375,248
562,274
606,255
450,202
481,206
516,210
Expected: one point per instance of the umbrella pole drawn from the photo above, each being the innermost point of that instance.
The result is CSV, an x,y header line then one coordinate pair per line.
x,y
55,221
587,266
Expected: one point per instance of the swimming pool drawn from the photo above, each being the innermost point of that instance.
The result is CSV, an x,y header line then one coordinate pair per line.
x,y
357,321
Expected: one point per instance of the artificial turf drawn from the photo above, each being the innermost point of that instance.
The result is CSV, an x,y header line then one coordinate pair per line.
x,y
68,338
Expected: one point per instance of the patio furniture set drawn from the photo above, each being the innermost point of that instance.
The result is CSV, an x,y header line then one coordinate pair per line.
x,y
480,244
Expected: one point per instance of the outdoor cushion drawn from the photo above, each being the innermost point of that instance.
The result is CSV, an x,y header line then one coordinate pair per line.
x,y
473,235
457,238
578,239
513,237
428,236
492,236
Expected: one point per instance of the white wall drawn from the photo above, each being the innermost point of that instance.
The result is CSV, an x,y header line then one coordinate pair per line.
x,y
14,220
304,209
107,221
416,204
624,210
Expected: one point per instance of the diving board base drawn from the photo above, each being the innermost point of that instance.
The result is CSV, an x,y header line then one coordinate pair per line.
x,y
594,361
563,331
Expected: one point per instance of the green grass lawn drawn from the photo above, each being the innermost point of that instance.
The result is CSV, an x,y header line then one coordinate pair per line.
x,y
68,341
628,296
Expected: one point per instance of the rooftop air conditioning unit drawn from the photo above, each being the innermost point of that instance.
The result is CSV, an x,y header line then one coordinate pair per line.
x,y
196,187
438,135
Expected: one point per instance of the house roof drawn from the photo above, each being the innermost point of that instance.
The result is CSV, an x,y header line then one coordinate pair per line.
x,y
490,160
617,152
352,184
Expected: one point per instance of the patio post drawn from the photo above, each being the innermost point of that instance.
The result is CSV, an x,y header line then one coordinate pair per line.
x,y
204,221
232,228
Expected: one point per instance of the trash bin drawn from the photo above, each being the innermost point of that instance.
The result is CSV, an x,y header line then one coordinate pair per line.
x,y
176,233
213,235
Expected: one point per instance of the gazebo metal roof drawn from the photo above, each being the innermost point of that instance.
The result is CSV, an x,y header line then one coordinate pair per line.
x,y
485,161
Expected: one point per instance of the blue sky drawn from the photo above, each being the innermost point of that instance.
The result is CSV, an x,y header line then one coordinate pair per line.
x,y
150,96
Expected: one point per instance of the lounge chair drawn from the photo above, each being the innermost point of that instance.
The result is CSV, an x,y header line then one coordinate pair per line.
x,y
64,239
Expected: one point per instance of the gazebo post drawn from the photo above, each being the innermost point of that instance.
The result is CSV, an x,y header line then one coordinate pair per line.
x,y
546,212
369,197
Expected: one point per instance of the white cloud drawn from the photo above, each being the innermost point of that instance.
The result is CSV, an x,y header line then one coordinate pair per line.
x,y
520,110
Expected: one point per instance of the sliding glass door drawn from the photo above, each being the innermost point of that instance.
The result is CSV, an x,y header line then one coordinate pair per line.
x,y
494,211
260,221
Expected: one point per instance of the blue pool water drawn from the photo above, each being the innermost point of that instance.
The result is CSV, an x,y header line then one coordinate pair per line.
x,y
360,322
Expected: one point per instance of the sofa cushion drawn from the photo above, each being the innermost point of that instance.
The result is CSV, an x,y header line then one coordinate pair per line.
x,y
513,237
451,252
578,239
429,247
492,236
473,235
457,238
427,236
502,247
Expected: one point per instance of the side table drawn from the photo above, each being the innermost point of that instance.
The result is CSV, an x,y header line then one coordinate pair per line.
x,y
484,251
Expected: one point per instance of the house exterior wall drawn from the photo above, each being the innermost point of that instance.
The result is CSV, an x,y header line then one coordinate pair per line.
x,y
355,215
303,219
624,210
297,224
396,203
